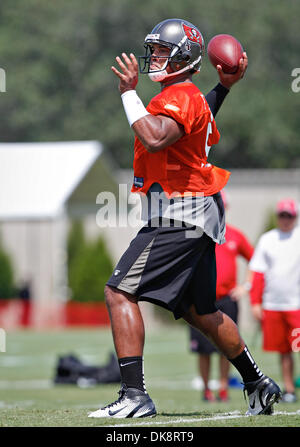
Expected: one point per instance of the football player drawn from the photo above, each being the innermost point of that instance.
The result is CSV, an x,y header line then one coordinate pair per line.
x,y
171,261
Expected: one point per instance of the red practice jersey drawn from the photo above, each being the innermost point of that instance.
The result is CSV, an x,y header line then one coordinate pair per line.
x,y
226,258
181,167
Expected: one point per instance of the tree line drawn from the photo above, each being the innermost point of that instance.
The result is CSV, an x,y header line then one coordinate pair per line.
x,y
59,86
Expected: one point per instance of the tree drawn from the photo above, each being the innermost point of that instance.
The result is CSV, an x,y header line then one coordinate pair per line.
x,y
57,56
7,287
89,266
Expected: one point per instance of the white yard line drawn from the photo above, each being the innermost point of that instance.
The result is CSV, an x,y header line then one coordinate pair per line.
x,y
287,413
222,416
231,415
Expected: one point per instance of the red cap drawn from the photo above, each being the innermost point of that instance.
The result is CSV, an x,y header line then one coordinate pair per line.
x,y
288,206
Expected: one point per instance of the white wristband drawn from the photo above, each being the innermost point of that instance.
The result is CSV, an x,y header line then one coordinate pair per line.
x,y
133,106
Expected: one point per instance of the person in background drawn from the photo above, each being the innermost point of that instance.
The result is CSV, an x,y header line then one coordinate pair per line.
x,y
228,295
275,293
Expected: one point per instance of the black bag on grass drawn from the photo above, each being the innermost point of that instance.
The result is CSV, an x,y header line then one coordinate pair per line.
x,y
70,370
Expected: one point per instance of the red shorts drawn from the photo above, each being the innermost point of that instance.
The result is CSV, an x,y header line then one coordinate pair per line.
x,y
281,331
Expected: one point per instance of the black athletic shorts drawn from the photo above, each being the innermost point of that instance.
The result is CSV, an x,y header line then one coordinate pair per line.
x,y
198,342
173,267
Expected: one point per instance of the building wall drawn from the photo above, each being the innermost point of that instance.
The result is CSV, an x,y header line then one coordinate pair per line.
x,y
38,252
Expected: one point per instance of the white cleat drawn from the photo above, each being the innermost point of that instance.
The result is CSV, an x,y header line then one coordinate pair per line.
x,y
262,394
132,403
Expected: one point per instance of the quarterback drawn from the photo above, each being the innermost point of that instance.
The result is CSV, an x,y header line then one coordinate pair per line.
x,y
171,262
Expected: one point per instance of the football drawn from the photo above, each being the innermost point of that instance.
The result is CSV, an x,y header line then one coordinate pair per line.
x,y
225,50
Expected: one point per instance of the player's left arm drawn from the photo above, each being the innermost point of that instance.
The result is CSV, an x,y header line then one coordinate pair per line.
x,y
155,132
217,95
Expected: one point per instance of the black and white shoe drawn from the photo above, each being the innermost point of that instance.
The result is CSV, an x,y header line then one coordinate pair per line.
x,y
132,403
262,394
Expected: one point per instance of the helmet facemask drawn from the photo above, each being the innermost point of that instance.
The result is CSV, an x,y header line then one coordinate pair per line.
x,y
177,57
146,60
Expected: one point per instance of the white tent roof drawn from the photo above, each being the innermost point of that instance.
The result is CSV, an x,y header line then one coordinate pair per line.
x,y
36,179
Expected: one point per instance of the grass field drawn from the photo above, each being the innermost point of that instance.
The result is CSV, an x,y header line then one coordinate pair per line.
x,y
29,399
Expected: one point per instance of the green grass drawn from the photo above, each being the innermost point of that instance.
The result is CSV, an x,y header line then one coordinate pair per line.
x,y
29,399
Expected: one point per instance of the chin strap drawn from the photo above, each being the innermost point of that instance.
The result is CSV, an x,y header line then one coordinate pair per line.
x,y
158,76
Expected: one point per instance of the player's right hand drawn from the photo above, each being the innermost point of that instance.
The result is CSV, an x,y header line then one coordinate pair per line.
x,y
130,72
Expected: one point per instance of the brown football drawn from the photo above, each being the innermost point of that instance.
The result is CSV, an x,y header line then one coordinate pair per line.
x,y
225,50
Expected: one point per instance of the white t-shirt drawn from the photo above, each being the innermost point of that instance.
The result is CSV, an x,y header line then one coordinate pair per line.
x,y
277,255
